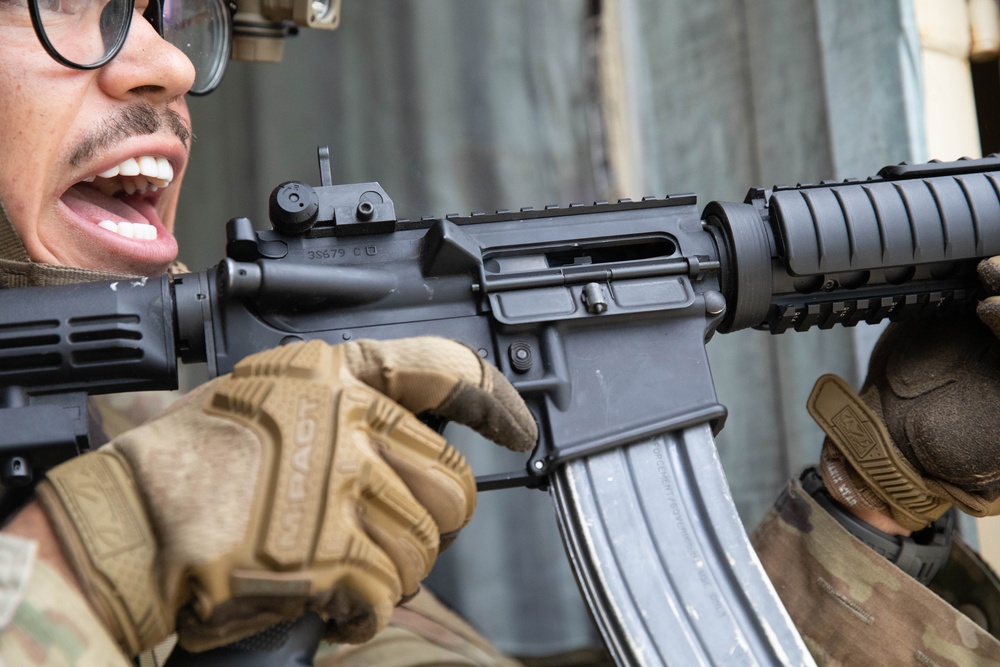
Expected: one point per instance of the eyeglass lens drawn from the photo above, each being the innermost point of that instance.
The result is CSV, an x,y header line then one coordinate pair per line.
x,y
84,32
87,32
202,30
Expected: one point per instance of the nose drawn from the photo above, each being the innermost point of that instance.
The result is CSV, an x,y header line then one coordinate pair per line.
x,y
147,66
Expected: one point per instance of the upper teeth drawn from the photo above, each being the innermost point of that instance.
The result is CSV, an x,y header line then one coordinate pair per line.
x,y
157,172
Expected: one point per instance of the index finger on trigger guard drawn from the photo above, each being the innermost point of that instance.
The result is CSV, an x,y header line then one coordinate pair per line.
x,y
449,379
498,413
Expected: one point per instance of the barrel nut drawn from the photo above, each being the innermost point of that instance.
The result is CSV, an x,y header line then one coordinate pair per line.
x,y
594,299
521,356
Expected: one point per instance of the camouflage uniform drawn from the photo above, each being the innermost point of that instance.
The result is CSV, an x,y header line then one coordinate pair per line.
x,y
53,625
423,633
854,607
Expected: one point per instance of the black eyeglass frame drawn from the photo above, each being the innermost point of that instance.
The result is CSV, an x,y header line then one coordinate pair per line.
x,y
153,13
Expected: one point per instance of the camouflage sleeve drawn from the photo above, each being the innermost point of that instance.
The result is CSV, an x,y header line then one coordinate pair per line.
x,y
854,607
422,632
44,621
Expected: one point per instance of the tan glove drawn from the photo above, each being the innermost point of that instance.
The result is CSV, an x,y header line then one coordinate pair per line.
x,y
923,433
302,481
989,308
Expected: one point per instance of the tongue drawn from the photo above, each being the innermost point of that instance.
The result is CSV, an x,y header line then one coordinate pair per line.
x,y
91,204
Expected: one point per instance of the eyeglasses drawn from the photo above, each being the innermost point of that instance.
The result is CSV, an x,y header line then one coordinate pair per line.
x,y
87,34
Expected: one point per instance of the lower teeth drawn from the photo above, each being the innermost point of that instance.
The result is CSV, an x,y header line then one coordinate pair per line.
x,y
132,230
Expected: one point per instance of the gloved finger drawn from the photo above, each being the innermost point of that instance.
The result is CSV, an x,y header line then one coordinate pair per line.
x,y
359,600
351,618
989,273
989,312
398,524
449,379
436,474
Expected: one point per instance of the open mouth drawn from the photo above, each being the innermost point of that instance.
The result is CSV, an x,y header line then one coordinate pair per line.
x,y
121,199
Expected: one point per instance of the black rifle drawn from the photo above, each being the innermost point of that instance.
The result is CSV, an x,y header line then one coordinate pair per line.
x,y
598,314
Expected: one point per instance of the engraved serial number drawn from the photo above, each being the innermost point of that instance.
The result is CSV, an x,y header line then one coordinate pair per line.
x,y
327,253
336,253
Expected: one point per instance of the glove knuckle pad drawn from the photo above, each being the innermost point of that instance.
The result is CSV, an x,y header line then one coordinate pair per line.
x,y
401,528
435,473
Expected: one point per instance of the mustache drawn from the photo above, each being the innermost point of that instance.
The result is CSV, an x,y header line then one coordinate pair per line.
x,y
138,119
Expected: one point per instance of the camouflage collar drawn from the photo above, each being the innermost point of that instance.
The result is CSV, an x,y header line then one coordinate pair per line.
x,y
18,270
921,555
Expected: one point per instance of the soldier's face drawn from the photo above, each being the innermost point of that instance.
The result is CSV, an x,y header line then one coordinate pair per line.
x,y
61,129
